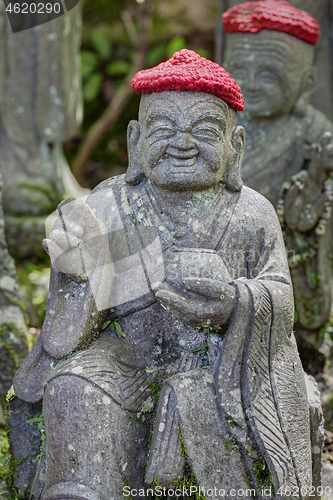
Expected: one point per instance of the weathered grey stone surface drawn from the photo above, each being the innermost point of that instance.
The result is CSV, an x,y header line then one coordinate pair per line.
x,y
317,431
13,348
286,137
38,113
199,306
26,443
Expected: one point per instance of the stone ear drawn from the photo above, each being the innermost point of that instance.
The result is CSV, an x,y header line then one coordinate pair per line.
x,y
308,87
134,172
232,179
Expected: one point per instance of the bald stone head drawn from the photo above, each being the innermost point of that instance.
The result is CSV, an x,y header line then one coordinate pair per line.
x,y
274,71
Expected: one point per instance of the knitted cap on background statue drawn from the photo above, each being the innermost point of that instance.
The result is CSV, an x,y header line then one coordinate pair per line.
x,y
186,71
275,15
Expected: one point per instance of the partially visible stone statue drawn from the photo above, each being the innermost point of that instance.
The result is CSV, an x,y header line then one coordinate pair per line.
x,y
322,10
40,107
270,48
173,277
13,341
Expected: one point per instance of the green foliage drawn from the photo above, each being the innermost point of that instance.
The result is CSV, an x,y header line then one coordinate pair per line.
x,y
114,325
189,479
155,387
8,464
33,281
186,482
92,86
231,446
103,63
262,474
155,54
118,68
15,301
182,451
230,422
177,43
102,43
5,331
316,278
208,327
202,349
4,454
39,419
89,61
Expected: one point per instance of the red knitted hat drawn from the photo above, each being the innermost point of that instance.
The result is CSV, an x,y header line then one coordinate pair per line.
x,y
276,15
186,70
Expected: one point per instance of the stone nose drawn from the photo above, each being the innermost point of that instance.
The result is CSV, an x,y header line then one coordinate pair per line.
x,y
182,146
251,83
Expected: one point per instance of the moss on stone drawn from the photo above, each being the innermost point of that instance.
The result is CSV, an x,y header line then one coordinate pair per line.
x,y
5,330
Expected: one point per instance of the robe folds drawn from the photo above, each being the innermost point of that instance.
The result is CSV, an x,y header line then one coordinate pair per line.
x,y
251,387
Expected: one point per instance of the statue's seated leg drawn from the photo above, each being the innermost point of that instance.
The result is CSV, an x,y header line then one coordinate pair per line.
x,y
94,445
212,452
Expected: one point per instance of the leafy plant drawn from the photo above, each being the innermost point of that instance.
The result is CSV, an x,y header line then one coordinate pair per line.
x,y
102,63
202,349
114,325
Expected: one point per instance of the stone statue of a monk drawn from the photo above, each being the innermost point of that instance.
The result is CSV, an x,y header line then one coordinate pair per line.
x,y
172,276
269,51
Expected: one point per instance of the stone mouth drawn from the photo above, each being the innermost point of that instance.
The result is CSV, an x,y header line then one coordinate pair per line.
x,y
252,98
182,162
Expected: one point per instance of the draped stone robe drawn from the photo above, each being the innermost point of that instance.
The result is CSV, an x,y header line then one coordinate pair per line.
x,y
246,401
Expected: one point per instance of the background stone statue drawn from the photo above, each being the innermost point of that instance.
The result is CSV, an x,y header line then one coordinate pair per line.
x,y
38,112
194,267
322,98
286,137
13,341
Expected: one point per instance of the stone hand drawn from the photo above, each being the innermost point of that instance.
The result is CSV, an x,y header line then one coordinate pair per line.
x,y
305,201
196,312
321,159
76,239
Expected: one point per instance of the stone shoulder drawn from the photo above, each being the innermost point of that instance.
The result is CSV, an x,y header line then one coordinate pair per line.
x,y
113,182
257,202
256,214
318,122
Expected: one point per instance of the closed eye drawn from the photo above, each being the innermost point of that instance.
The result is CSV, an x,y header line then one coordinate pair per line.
x,y
206,133
268,77
239,74
162,132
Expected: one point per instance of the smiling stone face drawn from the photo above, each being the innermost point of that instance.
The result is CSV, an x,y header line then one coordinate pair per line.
x,y
270,67
186,139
